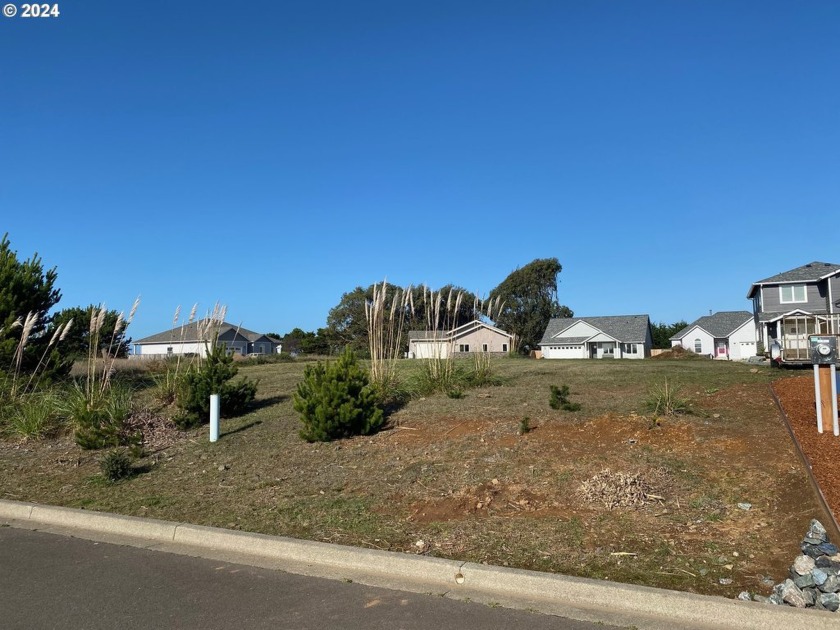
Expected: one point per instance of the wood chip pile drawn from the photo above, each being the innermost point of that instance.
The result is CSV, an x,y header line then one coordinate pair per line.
x,y
621,489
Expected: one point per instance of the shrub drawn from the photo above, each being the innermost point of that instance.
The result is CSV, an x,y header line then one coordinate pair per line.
x,y
336,400
212,377
101,420
116,465
559,399
524,426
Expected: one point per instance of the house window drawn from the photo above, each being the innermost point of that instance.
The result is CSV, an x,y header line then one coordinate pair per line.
x,y
792,293
698,346
628,348
504,347
484,347
464,347
169,350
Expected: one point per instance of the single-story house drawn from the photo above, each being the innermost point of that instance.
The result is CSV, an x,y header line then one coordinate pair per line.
x,y
610,337
724,335
191,339
475,336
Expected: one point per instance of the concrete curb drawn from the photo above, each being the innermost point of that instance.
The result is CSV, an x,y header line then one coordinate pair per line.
x,y
574,598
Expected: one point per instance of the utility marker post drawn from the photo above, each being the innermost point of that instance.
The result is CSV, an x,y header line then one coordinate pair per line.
x,y
824,355
214,417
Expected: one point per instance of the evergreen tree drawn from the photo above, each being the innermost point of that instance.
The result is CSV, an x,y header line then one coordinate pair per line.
x,y
75,344
26,288
528,299
336,400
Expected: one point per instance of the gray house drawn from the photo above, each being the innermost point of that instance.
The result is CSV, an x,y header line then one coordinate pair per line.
x,y
193,339
615,337
792,305
724,335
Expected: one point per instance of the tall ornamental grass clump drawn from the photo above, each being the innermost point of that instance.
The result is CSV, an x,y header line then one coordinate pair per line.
x,y
385,334
98,410
336,400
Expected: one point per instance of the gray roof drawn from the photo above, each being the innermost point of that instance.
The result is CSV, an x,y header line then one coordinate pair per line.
x,y
624,328
811,272
720,324
189,333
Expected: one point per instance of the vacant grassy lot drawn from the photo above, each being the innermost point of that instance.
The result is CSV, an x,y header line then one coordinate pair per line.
x,y
459,478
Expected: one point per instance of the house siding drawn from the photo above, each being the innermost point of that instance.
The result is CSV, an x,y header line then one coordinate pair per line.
x,y
816,299
832,300
477,338
162,349
742,342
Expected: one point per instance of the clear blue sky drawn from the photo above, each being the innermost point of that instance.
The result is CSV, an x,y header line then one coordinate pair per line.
x,y
273,155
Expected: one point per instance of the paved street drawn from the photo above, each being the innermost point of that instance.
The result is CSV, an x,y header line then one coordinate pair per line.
x,y
50,581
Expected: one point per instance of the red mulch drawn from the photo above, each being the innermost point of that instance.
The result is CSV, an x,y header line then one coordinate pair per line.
x,y
822,449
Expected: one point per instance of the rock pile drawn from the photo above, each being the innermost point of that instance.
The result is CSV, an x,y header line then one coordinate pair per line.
x,y
814,580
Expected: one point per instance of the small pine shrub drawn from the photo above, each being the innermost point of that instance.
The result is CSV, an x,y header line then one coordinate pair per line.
x,y
100,421
116,465
213,376
524,426
336,400
559,399
455,394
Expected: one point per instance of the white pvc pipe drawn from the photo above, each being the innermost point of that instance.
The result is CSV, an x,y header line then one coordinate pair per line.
x,y
818,398
834,398
214,417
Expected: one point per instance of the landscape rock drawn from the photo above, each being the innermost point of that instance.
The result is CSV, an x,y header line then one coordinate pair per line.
x,y
792,594
814,580
744,596
830,601
831,584
819,576
804,564
817,531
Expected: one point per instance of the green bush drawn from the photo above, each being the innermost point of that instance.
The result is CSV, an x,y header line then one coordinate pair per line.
x,y
212,377
336,400
100,419
559,399
116,465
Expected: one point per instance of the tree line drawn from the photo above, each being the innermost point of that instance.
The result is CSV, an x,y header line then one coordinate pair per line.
x,y
525,301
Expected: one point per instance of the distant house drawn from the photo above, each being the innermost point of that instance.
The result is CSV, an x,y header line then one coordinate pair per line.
x,y
724,335
612,337
792,305
476,336
191,340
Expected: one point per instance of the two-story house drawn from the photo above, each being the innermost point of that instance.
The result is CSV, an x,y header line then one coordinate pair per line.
x,y
792,305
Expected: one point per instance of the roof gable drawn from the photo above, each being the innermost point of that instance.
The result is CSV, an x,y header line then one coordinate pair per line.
x,y
719,325
811,272
622,328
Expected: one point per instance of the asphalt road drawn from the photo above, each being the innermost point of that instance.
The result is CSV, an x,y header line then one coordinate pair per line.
x,y
51,581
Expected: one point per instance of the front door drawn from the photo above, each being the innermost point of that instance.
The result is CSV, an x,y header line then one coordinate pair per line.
x,y
720,349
